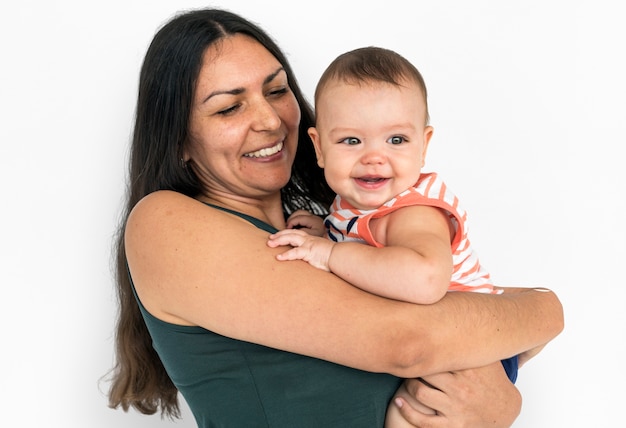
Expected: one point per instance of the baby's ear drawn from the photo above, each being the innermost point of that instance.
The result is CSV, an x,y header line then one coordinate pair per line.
x,y
315,138
428,133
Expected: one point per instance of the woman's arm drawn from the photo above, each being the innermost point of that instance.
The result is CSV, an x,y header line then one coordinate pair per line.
x,y
195,265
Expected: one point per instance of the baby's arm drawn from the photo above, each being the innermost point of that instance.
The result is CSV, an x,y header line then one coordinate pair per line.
x,y
415,265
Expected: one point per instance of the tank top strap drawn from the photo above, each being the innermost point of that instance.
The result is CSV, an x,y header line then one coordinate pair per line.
x,y
255,221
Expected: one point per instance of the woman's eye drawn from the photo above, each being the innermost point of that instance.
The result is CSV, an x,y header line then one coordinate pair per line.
x,y
279,91
229,110
350,141
396,139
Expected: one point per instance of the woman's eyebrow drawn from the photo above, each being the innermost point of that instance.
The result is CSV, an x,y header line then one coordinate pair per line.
x,y
237,91
272,76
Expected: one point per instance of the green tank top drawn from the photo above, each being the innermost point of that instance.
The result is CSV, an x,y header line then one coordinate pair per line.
x,y
231,383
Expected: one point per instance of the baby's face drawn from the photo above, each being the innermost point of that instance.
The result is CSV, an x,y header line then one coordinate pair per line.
x,y
371,139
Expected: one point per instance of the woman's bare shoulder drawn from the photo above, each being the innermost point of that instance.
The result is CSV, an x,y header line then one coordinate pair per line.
x,y
164,212
162,204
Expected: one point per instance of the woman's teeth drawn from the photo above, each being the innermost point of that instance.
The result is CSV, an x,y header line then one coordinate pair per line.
x,y
265,152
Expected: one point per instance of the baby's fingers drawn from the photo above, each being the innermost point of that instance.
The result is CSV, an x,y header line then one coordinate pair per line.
x,y
291,254
292,237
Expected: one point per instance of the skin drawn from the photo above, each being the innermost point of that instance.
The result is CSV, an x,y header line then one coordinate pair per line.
x,y
186,258
256,110
441,390
369,156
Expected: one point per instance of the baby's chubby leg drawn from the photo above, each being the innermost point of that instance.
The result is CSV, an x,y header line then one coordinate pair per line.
x,y
394,419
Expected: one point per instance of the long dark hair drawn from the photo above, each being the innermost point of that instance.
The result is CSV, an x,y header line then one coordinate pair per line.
x,y
166,89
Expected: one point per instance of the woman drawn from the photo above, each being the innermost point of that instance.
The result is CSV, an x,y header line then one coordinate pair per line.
x,y
205,309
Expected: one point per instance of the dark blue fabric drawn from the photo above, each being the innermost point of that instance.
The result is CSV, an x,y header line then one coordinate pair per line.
x,y
510,366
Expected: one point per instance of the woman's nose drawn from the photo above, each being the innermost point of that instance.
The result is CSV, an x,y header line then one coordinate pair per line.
x,y
265,116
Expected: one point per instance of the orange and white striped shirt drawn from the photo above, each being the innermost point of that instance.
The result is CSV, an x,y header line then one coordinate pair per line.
x,y
346,223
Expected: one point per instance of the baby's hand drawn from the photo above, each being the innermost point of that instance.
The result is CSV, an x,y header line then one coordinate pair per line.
x,y
312,249
306,221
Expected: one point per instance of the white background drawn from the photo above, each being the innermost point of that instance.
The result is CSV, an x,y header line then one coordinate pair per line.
x,y
528,101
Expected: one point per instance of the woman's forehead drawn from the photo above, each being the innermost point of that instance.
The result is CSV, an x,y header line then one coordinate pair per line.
x,y
236,60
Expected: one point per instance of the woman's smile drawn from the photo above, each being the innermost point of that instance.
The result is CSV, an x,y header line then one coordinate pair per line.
x,y
265,152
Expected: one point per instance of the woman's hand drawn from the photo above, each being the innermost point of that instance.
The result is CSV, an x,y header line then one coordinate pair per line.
x,y
482,397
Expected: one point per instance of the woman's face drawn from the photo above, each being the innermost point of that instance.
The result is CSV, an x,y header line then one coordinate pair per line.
x,y
244,121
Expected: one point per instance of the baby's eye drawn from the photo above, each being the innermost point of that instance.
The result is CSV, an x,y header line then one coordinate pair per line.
x,y
396,139
351,141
